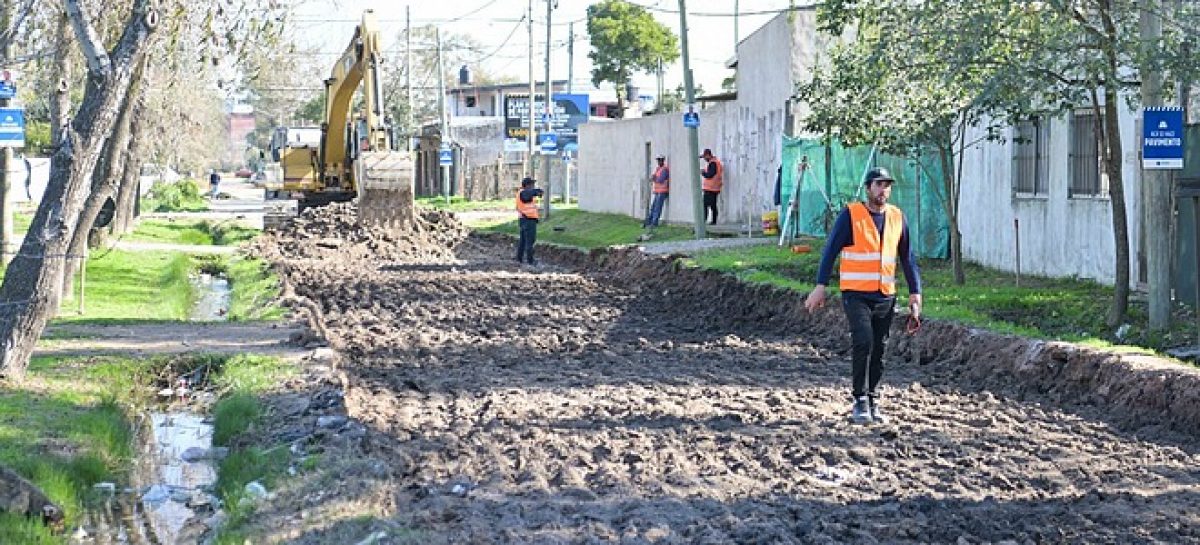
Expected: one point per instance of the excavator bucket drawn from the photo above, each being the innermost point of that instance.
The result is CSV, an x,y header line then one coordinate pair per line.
x,y
385,189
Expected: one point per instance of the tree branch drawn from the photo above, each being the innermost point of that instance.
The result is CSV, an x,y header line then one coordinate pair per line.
x,y
98,62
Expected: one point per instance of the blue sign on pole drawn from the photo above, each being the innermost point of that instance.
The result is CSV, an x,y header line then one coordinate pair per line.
x,y
8,90
445,157
548,142
12,127
1162,138
691,120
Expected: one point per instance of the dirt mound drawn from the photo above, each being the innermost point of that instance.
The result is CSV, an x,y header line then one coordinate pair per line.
x,y
619,398
333,233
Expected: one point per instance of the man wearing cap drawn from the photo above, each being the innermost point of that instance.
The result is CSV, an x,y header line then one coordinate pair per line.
x,y
527,219
870,237
660,185
714,175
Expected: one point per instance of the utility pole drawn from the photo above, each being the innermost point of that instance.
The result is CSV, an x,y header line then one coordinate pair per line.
x,y
693,136
1156,189
735,26
441,86
7,234
408,122
547,110
529,133
571,57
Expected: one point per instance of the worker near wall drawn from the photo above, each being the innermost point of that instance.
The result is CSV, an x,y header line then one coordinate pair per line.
x,y
870,237
660,185
527,219
714,175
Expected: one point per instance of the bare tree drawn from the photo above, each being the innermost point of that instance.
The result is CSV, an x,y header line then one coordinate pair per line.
x,y
30,291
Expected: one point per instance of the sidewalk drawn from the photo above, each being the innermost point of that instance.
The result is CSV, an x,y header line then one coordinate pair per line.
x,y
688,247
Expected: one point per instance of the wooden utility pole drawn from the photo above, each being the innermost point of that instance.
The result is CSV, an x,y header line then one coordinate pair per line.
x,y
548,112
1156,189
529,133
408,90
7,233
571,57
445,124
693,136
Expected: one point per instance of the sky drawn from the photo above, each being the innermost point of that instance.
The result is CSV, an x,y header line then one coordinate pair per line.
x,y
327,25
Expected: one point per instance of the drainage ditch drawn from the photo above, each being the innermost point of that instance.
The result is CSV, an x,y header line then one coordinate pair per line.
x,y
170,498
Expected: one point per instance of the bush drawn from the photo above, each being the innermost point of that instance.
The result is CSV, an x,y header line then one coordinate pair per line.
x,y
180,196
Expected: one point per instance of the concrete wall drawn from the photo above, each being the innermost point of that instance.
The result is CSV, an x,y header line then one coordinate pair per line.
x,y
745,134
1060,236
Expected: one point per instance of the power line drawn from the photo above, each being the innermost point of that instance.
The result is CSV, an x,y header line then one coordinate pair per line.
x,y
807,7
472,12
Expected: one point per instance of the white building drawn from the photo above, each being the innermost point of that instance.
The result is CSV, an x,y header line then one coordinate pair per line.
x,y
616,159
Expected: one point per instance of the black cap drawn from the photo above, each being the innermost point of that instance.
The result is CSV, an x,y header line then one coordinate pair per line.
x,y
706,152
661,157
878,173
526,182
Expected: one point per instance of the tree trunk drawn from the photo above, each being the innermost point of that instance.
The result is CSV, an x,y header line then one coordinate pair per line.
x,y
129,192
30,291
1116,195
950,206
107,175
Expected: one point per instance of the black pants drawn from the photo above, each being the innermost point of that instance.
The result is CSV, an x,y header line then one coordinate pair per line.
x,y
710,203
528,237
870,317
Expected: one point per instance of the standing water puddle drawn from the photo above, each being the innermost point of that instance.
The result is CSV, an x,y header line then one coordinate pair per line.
x,y
171,499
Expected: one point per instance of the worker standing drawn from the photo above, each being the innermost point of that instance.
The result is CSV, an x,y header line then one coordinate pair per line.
x,y
527,219
660,185
870,237
214,183
714,174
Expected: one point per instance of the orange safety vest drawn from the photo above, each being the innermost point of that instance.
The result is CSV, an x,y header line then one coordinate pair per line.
x,y
665,186
716,182
527,209
869,264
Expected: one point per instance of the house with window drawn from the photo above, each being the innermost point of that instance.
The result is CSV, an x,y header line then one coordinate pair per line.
x,y
1039,199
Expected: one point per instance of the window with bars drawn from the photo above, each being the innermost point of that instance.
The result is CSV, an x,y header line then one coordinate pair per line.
x,y
1087,178
1031,145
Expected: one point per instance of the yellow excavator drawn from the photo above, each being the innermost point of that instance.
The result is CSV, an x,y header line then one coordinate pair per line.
x,y
356,156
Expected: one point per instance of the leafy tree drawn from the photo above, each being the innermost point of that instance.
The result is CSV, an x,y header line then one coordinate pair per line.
x,y
626,40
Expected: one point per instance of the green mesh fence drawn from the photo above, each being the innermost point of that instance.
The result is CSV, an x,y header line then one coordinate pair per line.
x,y
917,190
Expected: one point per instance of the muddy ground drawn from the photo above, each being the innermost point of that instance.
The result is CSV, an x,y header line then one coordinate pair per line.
x,y
581,402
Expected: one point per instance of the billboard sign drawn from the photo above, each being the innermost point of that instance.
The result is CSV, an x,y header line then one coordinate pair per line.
x,y
12,127
570,111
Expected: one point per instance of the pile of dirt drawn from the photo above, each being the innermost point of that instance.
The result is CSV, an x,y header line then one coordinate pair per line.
x,y
334,233
614,397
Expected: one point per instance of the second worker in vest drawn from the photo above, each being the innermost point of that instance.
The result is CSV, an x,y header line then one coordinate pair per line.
x,y
870,237
660,185
527,219
714,174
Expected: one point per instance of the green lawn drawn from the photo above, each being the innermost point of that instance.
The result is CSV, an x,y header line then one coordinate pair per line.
x,y
461,204
21,221
194,232
1066,309
573,227
254,289
133,286
65,428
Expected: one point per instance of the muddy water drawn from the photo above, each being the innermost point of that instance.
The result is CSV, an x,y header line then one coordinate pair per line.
x,y
214,299
169,500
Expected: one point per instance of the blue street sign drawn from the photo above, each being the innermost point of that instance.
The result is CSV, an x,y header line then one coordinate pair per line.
x,y
1162,138
691,120
445,157
548,142
12,127
8,90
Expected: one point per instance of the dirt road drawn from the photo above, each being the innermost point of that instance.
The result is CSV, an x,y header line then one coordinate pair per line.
x,y
553,405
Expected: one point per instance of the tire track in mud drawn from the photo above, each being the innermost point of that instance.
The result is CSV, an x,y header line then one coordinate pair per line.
x,y
553,406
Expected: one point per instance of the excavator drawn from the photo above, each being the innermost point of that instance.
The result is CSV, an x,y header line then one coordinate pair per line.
x,y
356,157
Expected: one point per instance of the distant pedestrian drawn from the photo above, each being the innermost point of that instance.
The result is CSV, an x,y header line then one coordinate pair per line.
x,y
214,183
660,186
870,237
527,220
28,176
714,174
